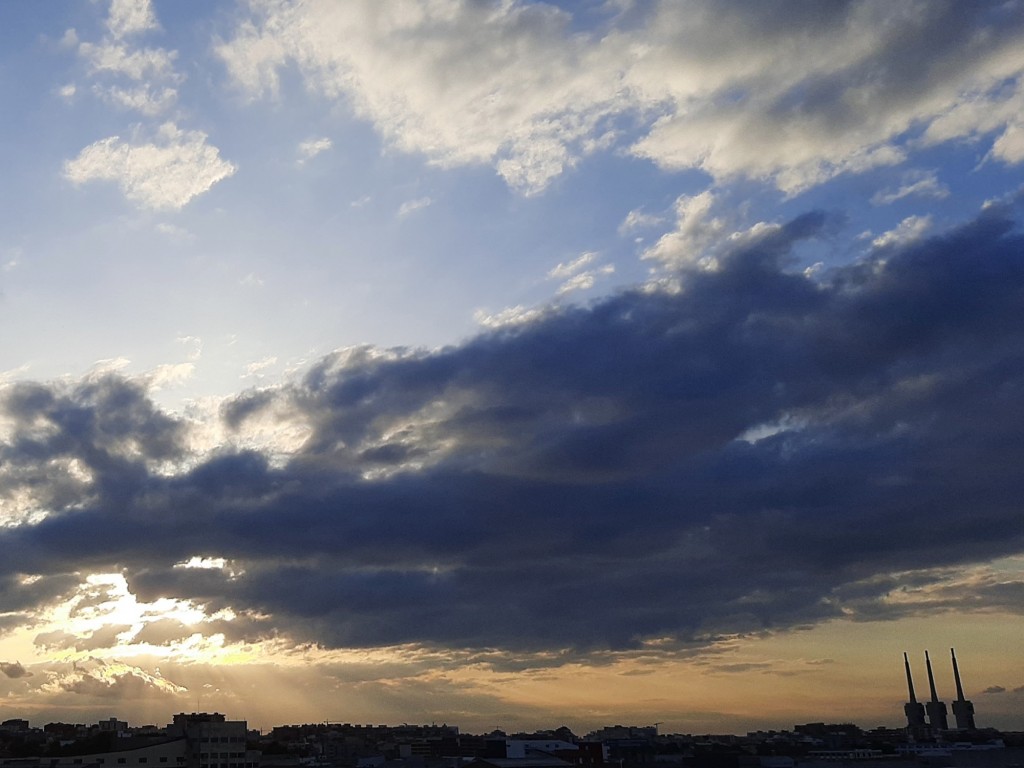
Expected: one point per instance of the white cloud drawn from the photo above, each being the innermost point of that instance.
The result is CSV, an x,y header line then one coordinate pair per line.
x,y
574,275
697,227
511,316
153,80
460,82
1009,147
566,269
257,369
584,280
791,94
170,375
69,39
6,377
109,365
637,219
797,94
312,147
146,99
167,173
981,111
413,205
135,64
924,184
129,17
911,228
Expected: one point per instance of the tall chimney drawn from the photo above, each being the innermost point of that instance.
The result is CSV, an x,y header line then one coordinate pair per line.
x,y
936,709
913,709
963,710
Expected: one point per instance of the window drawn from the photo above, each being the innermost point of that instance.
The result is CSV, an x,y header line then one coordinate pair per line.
x,y
143,759
163,759
122,760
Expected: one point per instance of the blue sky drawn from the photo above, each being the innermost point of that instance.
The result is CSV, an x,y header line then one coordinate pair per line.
x,y
310,278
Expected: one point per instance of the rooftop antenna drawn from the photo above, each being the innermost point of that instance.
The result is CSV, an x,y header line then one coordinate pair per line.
x,y
936,709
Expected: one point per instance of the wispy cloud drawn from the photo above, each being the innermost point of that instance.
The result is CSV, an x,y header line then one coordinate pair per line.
x,y
637,219
575,276
924,184
567,269
911,228
310,148
411,206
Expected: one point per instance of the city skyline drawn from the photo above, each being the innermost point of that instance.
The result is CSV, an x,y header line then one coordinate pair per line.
x,y
926,719
511,362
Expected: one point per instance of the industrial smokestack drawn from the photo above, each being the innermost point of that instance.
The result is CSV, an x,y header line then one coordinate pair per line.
x,y
913,709
910,680
936,709
963,710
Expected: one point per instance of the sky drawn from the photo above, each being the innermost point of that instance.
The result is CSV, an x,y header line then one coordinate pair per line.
x,y
510,364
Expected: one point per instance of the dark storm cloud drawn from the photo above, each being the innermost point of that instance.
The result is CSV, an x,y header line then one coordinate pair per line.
x,y
581,483
20,594
94,678
104,637
14,669
163,632
96,440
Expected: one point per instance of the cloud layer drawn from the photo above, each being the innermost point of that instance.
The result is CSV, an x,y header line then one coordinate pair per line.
x,y
750,449
782,92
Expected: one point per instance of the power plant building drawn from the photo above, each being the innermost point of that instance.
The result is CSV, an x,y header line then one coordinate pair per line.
x,y
937,722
